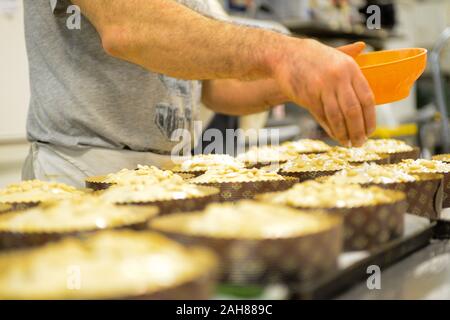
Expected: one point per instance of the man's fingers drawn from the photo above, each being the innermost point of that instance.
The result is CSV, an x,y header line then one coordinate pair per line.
x,y
335,118
367,100
353,114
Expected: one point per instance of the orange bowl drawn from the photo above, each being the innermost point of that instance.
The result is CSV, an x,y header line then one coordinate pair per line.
x,y
392,73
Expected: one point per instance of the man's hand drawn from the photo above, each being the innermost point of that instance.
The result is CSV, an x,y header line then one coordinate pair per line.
x,y
330,84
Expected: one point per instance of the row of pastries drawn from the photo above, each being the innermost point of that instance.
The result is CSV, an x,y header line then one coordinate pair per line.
x,y
173,233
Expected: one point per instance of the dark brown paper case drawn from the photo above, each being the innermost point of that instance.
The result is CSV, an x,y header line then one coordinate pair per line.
x,y
400,156
182,205
262,164
201,288
186,175
234,191
424,196
5,208
366,228
446,187
23,240
19,206
97,183
290,260
385,159
438,158
307,175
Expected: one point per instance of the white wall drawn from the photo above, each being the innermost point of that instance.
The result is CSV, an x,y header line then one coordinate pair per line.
x,y
14,86
14,94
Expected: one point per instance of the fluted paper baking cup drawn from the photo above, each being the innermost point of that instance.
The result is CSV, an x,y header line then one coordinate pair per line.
x,y
307,175
385,159
98,183
445,187
287,260
424,196
182,205
368,227
190,174
18,206
446,190
262,164
5,208
12,240
201,288
233,191
442,157
400,156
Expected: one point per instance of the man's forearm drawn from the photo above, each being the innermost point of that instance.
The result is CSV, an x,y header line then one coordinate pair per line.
x,y
166,37
234,97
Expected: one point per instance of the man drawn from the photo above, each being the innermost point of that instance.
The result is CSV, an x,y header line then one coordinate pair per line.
x,y
111,94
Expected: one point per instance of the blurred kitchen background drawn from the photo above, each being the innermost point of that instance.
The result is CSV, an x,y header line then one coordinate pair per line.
x,y
405,23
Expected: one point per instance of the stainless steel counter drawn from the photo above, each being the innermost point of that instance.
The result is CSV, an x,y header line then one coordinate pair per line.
x,y
423,275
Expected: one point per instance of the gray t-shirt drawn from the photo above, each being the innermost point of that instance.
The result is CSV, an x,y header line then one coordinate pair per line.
x,y
80,96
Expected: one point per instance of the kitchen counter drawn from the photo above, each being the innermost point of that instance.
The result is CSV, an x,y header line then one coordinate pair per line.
x,y
423,275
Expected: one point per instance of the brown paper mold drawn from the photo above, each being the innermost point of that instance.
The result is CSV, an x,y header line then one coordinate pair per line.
x,y
263,164
306,146
259,157
384,159
199,164
397,150
30,193
357,156
5,208
186,175
18,206
140,175
234,191
424,195
307,175
365,226
170,203
442,157
265,259
430,166
97,183
397,157
52,221
138,263
310,167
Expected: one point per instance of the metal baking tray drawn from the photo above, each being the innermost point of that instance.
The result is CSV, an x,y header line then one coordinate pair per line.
x,y
353,265
442,229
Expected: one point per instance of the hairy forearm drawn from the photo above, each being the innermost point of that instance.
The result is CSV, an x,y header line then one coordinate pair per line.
x,y
234,97
164,36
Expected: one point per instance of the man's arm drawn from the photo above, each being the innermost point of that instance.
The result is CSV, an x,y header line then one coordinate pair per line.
x,y
166,37
234,97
